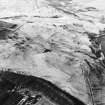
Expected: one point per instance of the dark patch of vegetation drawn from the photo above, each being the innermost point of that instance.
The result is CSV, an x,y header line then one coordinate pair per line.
x,y
44,87
7,97
94,74
6,29
95,47
4,34
7,25
13,99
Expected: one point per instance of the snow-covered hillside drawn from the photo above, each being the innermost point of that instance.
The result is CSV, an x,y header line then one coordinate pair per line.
x,y
53,35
